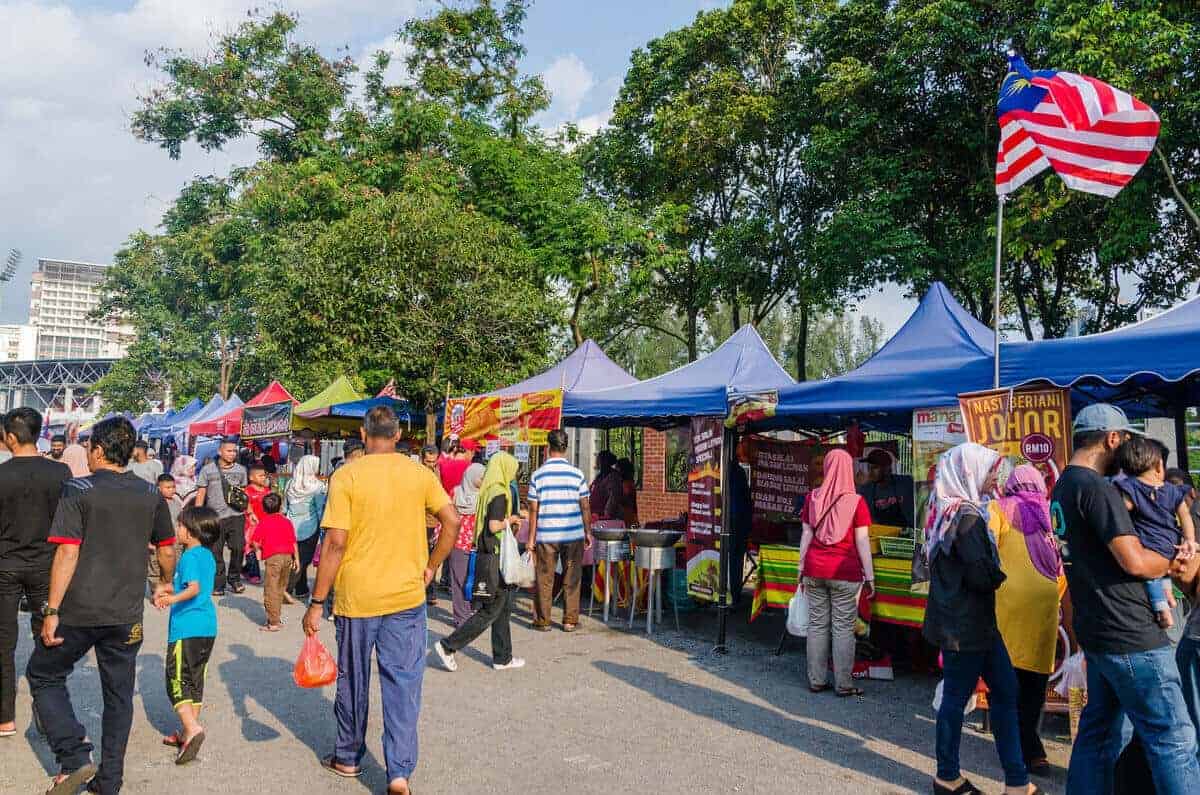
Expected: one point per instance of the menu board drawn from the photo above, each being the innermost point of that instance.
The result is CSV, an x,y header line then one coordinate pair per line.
x,y
1025,426
779,478
934,432
704,508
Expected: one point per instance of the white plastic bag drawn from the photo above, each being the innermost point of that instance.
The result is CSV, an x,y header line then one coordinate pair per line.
x,y
1073,673
797,615
972,702
515,568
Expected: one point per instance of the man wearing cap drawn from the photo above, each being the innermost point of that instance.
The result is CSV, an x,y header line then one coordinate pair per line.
x,y
889,498
1131,668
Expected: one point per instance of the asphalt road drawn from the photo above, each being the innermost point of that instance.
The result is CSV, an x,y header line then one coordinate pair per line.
x,y
604,710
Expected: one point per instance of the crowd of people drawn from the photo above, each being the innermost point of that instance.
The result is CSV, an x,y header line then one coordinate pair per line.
x,y
87,530
1008,562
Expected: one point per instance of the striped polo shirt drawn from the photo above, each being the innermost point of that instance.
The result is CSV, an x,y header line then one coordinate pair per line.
x,y
557,487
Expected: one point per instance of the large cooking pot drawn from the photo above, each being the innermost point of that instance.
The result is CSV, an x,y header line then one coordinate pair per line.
x,y
655,538
610,533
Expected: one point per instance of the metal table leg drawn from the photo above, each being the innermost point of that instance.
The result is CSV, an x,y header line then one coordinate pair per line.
x,y
607,583
649,602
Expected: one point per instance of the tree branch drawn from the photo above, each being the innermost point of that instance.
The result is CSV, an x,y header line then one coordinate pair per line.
x,y
1187,208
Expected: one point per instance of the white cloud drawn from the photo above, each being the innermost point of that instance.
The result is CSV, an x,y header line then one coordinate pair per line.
x,y
569,81
77,181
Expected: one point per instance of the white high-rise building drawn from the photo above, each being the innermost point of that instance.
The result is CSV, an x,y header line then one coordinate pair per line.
x,y
18,343
62,295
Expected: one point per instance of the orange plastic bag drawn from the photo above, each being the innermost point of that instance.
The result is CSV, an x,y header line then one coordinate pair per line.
x,y
315,666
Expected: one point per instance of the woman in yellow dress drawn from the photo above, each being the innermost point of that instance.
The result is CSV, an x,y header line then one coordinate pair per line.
x,y
1028,603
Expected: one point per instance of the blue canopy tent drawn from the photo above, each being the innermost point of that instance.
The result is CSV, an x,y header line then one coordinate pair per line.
x,y
587,368
741,365
215,407
939,352
1147,366
161,428
357,409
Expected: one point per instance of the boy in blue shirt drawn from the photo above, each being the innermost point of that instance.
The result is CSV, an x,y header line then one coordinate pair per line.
x,y
193,627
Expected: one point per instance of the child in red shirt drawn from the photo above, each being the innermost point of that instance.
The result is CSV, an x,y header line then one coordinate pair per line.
x,y
275,542
256,489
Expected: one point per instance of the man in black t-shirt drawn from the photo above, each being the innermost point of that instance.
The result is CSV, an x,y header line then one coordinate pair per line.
x,y
30,486
1131,667
889,497
97,584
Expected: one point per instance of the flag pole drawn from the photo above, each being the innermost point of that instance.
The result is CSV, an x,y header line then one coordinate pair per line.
x,y
996,296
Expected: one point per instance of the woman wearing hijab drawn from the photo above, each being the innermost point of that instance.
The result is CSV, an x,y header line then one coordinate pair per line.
x,y
304,503
75,456
1028,603
183,469
466,502
605,496
494,512
835,562
960,618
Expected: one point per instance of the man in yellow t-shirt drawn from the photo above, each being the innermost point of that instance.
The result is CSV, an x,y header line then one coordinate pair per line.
x,y
375,549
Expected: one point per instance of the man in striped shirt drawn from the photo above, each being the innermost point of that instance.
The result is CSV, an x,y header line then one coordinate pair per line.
x,y
559,525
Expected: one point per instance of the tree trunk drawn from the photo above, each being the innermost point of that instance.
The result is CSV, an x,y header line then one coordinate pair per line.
x,y
736,314
693,347
1187,208
802,345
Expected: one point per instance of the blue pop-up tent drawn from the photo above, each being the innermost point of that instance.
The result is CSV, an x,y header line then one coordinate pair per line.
x,y
1146,366
158,429
940,352
586,369
357,409
741,365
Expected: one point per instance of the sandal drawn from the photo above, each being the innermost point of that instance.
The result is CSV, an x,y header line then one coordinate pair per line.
x,y
541,627
190,749
70,784
965,788
329,764
817,688
570,627
850,692
172,741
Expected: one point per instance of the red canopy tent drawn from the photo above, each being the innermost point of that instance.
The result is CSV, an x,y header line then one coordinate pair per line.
x,y
231,423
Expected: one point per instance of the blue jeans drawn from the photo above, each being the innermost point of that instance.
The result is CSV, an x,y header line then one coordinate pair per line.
x,y
398,641
961,672
1145,686
1187,657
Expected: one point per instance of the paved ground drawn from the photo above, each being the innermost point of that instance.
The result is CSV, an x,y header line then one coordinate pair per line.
x,y
601,711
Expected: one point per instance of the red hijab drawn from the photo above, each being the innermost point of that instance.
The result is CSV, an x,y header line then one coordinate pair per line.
x,y
832,509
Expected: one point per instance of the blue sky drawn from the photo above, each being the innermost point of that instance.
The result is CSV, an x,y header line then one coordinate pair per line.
x,y
79,183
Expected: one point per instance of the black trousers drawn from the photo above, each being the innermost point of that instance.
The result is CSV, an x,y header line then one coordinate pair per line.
x,y
1031,697
494,613
308,548
33,584
116,650
233,537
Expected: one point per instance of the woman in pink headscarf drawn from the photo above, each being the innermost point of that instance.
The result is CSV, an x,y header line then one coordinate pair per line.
x,y
835,560
1028,603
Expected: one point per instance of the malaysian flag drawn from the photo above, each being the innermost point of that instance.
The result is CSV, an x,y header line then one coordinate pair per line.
x,y
1093,135
389,390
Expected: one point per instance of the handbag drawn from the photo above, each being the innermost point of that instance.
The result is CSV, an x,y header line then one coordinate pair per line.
x,y
235,496
487,568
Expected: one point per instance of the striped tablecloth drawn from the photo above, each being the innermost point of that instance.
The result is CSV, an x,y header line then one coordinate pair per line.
x,y
895,603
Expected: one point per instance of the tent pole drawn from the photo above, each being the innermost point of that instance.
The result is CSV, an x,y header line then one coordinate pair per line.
x,y
1181,440
996,296
727,457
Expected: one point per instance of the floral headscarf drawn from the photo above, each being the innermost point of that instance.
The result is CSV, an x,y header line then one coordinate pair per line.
x,y
962,472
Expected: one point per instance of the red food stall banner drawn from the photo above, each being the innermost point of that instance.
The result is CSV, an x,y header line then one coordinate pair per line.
x,y
779,477
519,418
704,508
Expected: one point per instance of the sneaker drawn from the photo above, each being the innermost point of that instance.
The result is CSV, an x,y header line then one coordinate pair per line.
x,y
218,592
515,662
237,587
446,658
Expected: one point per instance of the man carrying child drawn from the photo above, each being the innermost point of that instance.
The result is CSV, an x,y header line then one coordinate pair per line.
x,y
1131,671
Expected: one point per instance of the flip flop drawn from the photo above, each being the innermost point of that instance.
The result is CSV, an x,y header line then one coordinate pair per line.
x,y
570,627
74,780
190,749
332,767
171,741
8,732
850,692
817,688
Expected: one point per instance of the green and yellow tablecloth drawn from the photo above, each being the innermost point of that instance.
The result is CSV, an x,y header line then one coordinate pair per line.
x,y
895,603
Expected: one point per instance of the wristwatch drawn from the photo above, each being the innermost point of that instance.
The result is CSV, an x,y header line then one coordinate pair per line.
x,y
315,602
47,610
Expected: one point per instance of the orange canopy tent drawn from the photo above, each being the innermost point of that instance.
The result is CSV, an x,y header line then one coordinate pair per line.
x,y
231,423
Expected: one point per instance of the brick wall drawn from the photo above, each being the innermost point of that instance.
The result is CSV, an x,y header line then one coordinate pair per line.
x,y
654,502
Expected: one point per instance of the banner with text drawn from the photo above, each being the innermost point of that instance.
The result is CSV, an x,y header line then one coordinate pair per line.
x,y
265,422
779,479
934,432
704,508
1025,426
525,418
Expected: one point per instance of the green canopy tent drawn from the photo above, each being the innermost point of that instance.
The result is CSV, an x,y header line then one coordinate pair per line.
x,y
315,415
